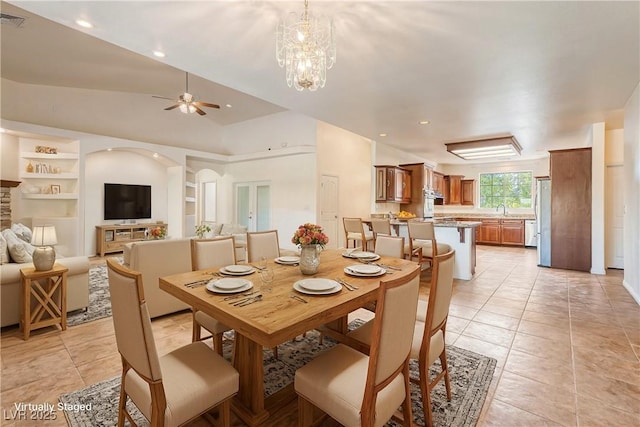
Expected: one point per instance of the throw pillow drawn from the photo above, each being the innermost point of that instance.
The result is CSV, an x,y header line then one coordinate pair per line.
x,y
230,229
4,250
20,251
22,231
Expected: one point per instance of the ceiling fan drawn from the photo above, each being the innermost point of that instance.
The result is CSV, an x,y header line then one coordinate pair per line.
x,y
186,102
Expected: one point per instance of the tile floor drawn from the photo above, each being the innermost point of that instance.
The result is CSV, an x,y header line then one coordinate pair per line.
x,y
567,345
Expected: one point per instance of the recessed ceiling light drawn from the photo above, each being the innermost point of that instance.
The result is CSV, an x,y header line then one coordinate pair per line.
x,y
156,155
158,54
228,105
383,134
424,122
2,130
84,24
109,149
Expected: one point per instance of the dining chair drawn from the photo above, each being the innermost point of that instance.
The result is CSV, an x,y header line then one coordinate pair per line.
x,y
422,242
262,244
211,253
172,389
354,230
380,226
357,389
392,246
429,335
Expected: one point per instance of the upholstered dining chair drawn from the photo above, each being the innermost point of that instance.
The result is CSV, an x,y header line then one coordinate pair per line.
x,y
357,389
262,244
169,390
422,242
392,246
429,333
380,226
354,230
211,253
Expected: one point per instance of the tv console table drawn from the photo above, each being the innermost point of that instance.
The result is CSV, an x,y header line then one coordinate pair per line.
x,y
112,238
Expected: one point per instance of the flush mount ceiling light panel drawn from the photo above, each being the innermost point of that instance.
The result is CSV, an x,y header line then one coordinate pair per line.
x,y
498,147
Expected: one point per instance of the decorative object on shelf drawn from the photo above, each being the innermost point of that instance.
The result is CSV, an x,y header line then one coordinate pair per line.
x,y
29,167
55,189
158,232
305,47
30,189
311,240
46,150
44,256
202,229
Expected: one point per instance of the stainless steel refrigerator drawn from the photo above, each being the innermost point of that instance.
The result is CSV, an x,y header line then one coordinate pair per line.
x,y
543,219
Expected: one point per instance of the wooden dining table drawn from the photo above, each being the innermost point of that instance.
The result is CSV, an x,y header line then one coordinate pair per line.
x,y
277,317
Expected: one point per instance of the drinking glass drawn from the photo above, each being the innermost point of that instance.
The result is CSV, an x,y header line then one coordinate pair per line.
x,y
266,276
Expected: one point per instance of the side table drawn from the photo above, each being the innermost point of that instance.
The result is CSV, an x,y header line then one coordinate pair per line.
x,y
44,298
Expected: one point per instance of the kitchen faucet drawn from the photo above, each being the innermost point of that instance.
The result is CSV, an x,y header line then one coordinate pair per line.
x,y
504,208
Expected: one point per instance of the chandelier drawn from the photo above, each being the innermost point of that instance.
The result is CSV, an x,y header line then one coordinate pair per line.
x,y
306,49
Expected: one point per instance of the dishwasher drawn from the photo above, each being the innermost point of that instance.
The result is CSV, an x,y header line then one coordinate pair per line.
x,y
530,233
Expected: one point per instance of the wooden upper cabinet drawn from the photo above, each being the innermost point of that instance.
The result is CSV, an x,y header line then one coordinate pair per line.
x,y
438,183
467,191
455,189
393,184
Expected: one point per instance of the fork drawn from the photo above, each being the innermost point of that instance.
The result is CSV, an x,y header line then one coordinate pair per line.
x,y
346,285
244,300
250,301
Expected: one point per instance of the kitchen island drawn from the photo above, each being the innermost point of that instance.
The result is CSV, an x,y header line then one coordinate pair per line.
x,y
460,235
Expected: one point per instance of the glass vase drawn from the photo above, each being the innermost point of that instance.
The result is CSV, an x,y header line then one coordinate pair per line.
x,y
309,259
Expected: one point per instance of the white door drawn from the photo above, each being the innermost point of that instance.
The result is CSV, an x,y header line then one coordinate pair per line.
x,y
329,208
614,217
253,205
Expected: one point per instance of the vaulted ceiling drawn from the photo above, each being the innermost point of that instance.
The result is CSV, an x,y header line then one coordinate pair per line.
x,y
542,71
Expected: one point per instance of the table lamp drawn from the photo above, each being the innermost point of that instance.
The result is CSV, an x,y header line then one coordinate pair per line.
x,y
44,256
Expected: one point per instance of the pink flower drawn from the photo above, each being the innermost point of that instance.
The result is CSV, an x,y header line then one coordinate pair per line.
x,y
309,234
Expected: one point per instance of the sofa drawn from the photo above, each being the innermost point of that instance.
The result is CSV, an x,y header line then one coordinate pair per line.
x,y
10,281
154,259
239,233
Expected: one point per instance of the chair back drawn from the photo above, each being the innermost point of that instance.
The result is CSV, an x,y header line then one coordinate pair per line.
x,y
392,332
440,292
390,246
262,244
353,225
420,230
381,226
212,253
134,336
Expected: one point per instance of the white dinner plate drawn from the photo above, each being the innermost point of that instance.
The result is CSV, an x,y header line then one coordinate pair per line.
x,y
353,271
235,268
229,283
288,260
303,290
224,270
317,284
211,287
368,256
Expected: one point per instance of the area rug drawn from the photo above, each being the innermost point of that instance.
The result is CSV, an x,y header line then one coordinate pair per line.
x,y
99,298
471,375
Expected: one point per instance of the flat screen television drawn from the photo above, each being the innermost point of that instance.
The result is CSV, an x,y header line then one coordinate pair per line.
x,y
127,201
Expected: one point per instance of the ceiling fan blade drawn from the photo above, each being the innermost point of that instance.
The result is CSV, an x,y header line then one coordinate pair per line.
x,y
172,107
206,104
162,97
198,110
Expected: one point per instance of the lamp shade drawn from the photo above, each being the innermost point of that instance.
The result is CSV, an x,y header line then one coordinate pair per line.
x,y
44,235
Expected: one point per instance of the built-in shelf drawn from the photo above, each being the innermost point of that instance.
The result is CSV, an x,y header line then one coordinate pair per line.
x,y
64,175
40,156
61,196
190,199
190,184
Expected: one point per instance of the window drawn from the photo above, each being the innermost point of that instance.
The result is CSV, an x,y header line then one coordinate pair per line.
x,y
513,189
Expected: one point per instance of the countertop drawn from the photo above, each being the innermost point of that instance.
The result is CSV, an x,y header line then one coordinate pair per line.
x,y
454,224
483,215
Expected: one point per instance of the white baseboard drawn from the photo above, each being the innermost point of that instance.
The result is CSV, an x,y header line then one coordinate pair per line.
x,y
631,291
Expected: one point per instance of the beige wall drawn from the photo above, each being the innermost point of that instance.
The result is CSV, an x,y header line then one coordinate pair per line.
x,y
349,157
632,194
614,146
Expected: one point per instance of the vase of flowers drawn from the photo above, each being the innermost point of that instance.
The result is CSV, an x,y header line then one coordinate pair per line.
x,y
311,240
202,229
158,233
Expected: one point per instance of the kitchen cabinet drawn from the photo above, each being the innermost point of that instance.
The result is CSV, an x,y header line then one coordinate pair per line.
x,y
571,209
499,231
467,191
393,184
438,183
420,178
453,189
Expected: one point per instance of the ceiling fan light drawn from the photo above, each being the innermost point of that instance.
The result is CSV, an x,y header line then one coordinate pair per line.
x,y
184,108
